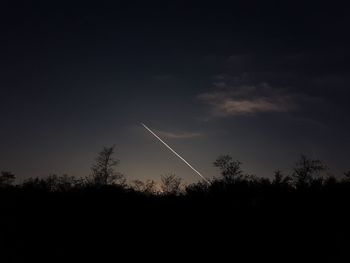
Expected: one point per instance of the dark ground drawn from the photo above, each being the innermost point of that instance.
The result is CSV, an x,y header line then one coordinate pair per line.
x,y
113,224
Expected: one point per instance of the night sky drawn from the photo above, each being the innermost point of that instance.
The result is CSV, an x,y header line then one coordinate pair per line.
x,y
261,81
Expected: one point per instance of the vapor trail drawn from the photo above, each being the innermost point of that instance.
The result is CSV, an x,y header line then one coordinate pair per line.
x,y
155,135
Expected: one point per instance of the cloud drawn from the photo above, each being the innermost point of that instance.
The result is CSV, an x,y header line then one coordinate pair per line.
x,y
225,100
180,135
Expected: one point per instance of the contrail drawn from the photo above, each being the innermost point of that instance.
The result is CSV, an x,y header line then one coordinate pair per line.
x,y
155,135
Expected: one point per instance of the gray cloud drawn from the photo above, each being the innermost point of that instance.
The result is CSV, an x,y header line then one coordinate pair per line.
x,y
179,135
226,100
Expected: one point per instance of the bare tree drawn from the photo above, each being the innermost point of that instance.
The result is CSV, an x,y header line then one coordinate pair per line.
x,y
103,171
7,178
148,187
306,170
230,169
66,182
151,187
170,184
138,185
280,179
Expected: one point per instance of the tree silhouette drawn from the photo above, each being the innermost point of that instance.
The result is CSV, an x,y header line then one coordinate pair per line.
x,y
247,206
36,184
170,184
7,178
61,183
280,179
198,188
103,171
230,169
306,170
66,182
138,185
148,187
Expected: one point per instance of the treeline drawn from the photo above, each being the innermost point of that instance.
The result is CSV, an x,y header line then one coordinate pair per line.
x,y
296,217
307,173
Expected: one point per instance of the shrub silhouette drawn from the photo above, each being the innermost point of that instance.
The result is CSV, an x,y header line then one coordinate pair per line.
x,y
36,184
197,189
149,187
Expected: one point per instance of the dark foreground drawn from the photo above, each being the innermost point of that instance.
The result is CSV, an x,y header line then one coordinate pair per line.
x,y
239,225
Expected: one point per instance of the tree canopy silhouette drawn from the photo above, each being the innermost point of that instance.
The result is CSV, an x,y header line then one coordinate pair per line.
x,y
286,210
230,169
7,178
104,170
170,184
306,170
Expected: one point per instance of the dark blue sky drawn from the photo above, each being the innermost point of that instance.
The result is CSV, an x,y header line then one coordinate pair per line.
x,y
261,81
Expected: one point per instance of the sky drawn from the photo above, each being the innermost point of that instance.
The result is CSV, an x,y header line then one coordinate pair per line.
x,y
263,81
